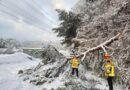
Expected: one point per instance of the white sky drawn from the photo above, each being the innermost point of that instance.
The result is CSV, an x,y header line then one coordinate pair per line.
x,y
31,19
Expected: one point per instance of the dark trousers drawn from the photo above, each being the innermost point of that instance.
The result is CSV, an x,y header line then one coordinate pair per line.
x,y
75,70
110,82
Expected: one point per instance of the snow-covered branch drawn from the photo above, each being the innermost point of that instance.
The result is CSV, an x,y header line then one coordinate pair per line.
x,y
102,46
108,48
79,40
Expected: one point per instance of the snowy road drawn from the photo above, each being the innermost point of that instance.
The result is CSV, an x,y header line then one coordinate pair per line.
x,y
9,66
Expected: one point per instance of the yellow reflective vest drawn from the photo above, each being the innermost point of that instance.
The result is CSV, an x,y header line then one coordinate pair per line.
x,y
74,62
109,69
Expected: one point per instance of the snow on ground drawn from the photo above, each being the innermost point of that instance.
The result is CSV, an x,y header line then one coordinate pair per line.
x,y
65,53
9,66
12,63
55,84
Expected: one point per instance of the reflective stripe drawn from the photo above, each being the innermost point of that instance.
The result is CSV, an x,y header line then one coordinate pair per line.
x,y
109,69
75,63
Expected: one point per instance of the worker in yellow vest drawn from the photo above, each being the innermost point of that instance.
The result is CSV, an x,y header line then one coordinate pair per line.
x,y
109,71
75,64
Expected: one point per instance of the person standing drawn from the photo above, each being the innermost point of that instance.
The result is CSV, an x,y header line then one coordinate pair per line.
x,y
109,70
75,62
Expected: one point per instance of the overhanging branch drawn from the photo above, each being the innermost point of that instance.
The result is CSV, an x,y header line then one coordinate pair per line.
x,y
101,46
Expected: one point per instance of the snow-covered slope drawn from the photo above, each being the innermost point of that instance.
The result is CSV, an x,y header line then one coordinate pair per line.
x,y
54,73
9,66
12,63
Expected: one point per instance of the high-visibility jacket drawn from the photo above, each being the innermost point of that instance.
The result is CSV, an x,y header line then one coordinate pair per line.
x,y
109,69
74,62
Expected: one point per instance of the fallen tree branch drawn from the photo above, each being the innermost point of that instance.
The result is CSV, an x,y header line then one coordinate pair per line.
x,y
102,46
79,40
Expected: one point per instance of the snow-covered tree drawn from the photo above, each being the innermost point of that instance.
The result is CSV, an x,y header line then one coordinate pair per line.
x,y
68,26
106,25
